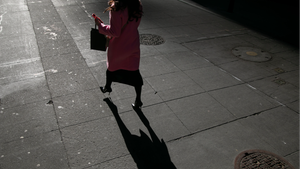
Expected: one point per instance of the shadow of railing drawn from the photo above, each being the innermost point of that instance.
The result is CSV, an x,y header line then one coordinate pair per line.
x,y
148,153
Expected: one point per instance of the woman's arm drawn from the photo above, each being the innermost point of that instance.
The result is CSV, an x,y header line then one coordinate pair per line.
x,y
115,27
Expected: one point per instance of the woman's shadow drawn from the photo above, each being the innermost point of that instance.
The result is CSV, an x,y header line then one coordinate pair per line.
x,y
148,153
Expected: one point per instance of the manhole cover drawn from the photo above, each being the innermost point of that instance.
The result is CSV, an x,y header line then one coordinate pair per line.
x,y
260,159
149,39
251,54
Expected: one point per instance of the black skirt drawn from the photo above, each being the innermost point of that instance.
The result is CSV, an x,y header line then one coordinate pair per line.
x,y
132,78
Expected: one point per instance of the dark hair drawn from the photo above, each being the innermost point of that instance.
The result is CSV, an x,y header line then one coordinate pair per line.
x,y
134,8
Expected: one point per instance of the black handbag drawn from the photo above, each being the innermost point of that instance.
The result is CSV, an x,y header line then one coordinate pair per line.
x,y
98,40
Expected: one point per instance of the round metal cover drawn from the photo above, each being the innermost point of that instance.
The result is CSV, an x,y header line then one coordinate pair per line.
x,y
251,54
149,39
260,159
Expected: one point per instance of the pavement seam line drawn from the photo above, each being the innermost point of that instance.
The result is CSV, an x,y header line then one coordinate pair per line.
x,y
219,125
292,153
211,37
128,154
200,7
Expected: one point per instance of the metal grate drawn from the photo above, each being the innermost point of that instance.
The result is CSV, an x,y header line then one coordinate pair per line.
x,y
150,39
260,159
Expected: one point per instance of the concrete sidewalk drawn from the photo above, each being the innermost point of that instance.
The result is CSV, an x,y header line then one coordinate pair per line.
x,y
205,103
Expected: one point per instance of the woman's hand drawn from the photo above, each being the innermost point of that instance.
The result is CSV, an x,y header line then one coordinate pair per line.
x,y
98,21
108,37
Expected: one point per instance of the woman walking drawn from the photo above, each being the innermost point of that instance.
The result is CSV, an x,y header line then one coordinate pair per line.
x,y
123,55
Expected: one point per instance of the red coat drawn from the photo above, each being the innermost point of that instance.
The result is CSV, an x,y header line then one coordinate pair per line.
x,y
124,47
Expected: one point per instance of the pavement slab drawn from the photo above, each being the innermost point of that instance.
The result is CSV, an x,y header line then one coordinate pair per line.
x,y
278,127
158,31
209,29
16,23
92,143
24,91
291,77
220,78
283,93
13,6
293,159
64,3
266,44
41,151
156,65
80,107
49,32
179,32
217,49
291,56
164,122
21,70
148,24
174,85
294,106
217,55
57,48
73,15
69,82
44,12
171,47
188,60
62,63
244,100
19,47
197,118
149,51
240,69
125,162
26,121
280,63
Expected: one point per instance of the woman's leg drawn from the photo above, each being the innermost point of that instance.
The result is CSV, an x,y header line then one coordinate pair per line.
x,y
138,102
107,87
108,79
138,89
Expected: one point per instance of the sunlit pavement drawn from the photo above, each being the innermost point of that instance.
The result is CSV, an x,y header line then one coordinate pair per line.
x,y
204,94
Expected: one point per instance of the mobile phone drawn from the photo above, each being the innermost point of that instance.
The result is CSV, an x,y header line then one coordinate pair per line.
x,y
96,17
